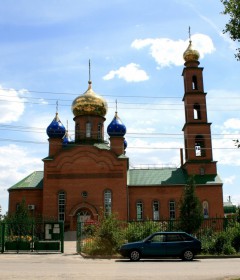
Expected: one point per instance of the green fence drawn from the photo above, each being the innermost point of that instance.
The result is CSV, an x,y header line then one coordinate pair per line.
x,y
137,230
45,236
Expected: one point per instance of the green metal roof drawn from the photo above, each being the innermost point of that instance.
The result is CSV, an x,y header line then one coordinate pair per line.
x,y
32,181
150,177
166,176
136,177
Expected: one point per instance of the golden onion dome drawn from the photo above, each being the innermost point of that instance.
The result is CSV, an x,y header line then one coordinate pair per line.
x,y
190,54
89,103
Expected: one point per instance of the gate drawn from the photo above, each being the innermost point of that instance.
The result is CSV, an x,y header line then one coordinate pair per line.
x,y
45,236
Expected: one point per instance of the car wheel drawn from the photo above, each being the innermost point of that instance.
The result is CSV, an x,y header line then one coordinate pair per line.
x,y
187,255
134,255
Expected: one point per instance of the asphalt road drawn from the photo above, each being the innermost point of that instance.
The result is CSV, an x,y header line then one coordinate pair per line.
x,y
70,265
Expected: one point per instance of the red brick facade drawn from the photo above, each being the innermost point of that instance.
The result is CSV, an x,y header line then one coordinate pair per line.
x,y
90,176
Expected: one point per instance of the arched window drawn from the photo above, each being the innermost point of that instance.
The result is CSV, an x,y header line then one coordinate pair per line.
x,y
61,205
107,202
199,146
155,210
194,82
196,112
205,209
88,129
172,210
99,135
77,129
139,210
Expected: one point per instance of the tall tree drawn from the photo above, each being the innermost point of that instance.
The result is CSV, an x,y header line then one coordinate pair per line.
x,y
232,9
191,213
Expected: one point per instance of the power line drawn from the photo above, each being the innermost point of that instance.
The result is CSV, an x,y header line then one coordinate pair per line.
x,y
129,147
110,95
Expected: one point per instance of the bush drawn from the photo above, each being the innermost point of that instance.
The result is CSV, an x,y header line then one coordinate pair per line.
x,y
107,237
226,242
139,230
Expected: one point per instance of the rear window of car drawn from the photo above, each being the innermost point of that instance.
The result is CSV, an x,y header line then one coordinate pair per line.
x,y
187,237
174,238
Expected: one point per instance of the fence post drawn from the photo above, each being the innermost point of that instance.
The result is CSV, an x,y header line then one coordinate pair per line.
x,y
2,236
62,236
79,232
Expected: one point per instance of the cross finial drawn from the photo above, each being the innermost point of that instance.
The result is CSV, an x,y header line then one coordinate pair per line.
x,y
116,105
57,106
89,70
189,33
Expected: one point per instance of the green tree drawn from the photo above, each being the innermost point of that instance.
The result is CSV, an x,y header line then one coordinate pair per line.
x,y
232,9
191,215
20,222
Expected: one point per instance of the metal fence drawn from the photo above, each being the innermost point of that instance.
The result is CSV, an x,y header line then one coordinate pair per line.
x,y
138,230
45,236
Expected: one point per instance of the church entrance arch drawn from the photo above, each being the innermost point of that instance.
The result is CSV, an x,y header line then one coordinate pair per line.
x,y
85,213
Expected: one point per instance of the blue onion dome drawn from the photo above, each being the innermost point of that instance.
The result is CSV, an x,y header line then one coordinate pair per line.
x,y
56,129
125,144
116,127
66,139
89,103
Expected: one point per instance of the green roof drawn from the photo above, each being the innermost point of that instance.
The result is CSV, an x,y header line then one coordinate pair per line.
x,y
32,181
136,177
161,176
166,176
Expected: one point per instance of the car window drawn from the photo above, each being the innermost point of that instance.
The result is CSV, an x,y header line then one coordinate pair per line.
x,y
158,238
187,237
174,238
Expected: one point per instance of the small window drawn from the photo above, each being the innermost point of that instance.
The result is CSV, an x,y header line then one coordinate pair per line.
x,y
155,210
205,210
172,214
99,136
202,171
84,194
77,131
196,112
199,146
88,129
107,202
194,83
139,209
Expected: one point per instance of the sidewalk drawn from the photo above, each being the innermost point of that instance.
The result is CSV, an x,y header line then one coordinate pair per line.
x,y
70,247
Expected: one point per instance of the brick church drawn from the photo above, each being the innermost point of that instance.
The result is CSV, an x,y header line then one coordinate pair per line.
x,y
91,174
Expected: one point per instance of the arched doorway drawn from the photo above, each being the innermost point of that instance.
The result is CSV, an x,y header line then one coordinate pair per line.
x,y
87,213
84,215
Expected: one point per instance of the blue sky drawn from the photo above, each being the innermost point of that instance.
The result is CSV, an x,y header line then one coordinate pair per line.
x,y
136,49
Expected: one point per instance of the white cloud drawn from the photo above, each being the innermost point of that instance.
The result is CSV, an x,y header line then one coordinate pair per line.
x,y
232,123
129,73
18,163
11,105
229,180
168,52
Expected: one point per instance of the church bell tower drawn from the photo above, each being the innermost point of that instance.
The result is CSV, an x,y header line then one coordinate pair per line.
x,y
197,129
